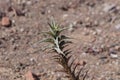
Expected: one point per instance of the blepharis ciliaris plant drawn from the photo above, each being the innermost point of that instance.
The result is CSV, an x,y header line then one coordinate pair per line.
x,y
62,56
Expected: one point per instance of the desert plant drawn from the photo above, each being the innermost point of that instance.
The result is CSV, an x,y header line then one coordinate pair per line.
x,y
63,56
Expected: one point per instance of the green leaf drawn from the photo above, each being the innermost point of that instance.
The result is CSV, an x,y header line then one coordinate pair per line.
x,y
50,40
51,34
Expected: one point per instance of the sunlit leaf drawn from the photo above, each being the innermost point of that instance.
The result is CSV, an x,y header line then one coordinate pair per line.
x,y
50,40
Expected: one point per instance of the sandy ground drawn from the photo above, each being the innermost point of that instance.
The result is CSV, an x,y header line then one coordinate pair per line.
x,y
94,26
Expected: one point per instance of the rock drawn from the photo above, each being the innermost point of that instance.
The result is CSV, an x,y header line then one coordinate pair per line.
x,y
117,48
71,29
65,16
83,63
117,27
99,31
103,57
22,30
30,76
114,56
32,59
103,60
109,7
29,2
5,22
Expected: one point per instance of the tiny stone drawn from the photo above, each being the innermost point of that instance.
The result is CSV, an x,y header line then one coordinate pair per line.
x,y
84,53
29,2
70,28
117,27
29,76
94,33
86,33
117,48
6,59
13,21
49,11
114,55
64,16
22,30
103,57
82,63
5,22
108,7
98,31
32,59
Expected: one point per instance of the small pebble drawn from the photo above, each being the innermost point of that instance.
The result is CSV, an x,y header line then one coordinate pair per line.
x,y
117,27
103,57
29,2
117,48
5,22
113,55
108,7
32,59
65,16
98,31
22,30
30,76
71,28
